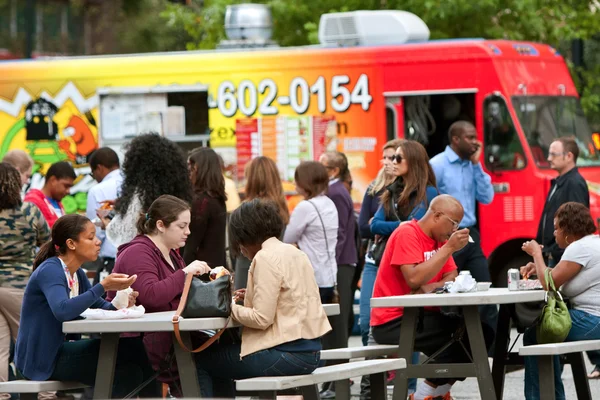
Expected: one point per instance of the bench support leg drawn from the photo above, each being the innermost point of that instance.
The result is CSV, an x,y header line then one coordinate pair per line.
x,y
342,389
582,385
378,387
105,374
479,352
28,396
408,330
545,370
310,392
186,367
501,349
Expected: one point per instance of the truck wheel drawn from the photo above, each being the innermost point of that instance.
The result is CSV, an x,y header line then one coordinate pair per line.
x,y
525,313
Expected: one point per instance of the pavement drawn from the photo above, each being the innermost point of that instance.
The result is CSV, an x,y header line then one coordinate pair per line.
x,y
513,387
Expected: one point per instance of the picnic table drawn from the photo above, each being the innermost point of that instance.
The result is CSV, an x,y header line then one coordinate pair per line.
x,y
489,388
110,331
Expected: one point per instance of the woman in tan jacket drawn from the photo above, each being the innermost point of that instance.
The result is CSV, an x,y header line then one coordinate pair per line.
x,y
282,316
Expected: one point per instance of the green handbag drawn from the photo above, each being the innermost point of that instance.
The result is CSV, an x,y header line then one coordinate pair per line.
x,y
554,323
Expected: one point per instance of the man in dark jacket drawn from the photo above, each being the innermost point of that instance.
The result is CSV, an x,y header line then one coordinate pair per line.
x,y
568,186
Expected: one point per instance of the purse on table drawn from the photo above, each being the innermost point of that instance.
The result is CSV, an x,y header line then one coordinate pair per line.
x,y
204,300
554,323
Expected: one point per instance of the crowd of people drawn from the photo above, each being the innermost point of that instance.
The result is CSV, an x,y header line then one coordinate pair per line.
x,y
162,214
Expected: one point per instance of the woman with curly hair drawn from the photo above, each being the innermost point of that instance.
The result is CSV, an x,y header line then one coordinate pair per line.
x,y
22,229
153,166
578,276
262,182
209,212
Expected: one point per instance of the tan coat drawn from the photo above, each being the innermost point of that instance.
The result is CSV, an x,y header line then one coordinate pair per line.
x,y
282,302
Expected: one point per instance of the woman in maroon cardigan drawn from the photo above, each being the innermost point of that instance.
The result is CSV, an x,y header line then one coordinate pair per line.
x,y
160,270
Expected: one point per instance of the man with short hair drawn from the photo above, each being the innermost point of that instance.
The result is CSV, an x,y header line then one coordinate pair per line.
x,y
568,186
105,166
459,173
418,259
22,162
59,180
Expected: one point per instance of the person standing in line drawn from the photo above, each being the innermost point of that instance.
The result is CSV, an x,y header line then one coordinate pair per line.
x,y
233,197
459,173
568,186
105,167
346,256
262,182
22,229
209,214
22,162
153,166
59,181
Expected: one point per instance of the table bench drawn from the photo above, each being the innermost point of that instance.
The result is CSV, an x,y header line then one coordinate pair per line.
x,y
348,353
267,387
574,354
28,390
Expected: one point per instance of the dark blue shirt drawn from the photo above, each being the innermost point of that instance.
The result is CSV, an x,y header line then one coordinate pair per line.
x,y
368,208
46,305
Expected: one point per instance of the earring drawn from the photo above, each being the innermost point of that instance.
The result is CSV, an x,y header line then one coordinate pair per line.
x,y
567,239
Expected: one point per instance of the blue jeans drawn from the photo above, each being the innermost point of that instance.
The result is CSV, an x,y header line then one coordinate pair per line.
x,y
585,326
366,292
220,365
78,360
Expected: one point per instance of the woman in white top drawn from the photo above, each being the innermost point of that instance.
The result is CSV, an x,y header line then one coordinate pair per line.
x,y
313,225
578,275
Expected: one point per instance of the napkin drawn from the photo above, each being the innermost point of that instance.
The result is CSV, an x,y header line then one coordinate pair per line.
x,y
121,300
463,283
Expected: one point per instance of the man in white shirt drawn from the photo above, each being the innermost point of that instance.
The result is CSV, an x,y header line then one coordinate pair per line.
x,y
104,163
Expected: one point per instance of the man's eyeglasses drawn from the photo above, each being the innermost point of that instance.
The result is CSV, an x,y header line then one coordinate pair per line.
x,y
551,154
454,223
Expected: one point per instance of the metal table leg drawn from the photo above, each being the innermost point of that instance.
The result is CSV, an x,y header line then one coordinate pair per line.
x,y
107,358
479,352
582,385
408,330
545,370
186,367
378,387
501,349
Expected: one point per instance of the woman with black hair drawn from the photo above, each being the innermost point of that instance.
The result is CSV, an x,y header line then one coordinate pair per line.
x,y
59,291
153,166
206,241
282,315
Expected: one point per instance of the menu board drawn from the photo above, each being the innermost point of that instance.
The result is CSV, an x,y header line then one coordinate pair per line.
x,y
288,140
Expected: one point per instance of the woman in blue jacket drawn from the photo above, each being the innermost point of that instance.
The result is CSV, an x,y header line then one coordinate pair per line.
x,y
59,291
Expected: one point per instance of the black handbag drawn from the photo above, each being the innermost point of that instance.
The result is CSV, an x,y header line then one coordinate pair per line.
x,y
204,300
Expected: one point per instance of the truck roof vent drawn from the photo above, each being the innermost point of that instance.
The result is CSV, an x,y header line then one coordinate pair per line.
x,y
368,28
248,25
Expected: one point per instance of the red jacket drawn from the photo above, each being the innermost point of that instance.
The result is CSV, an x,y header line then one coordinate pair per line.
x,y
38,198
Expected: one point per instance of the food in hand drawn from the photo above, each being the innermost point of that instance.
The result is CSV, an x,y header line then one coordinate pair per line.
x,y
218,272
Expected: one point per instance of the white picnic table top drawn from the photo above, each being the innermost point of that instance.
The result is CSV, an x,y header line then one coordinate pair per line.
x,y
158,322
491,296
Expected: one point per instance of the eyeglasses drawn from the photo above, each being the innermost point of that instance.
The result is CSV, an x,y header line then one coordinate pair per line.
x,y
454,223
551,154
396,157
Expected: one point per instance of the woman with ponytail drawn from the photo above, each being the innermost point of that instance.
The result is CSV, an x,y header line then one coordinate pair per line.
x,y
59,291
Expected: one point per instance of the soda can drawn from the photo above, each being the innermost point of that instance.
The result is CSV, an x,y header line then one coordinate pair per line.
x,y
513,279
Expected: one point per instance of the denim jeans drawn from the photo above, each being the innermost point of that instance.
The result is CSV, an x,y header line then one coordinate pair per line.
x,y
366,292
585,326
221,364
78,360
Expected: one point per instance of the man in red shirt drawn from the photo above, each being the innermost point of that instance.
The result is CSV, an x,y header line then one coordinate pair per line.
x,y
418,259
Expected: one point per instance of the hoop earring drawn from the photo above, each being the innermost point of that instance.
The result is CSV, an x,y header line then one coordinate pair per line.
x,y
567,240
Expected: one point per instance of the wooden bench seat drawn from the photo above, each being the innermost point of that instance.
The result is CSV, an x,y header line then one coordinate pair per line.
x,y
267,387
30,389
574,354
359,352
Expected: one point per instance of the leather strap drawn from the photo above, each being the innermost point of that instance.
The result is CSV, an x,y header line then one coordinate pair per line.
x,y
182,303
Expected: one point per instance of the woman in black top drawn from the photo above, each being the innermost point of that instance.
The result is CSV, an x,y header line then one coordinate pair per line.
x,y
209,214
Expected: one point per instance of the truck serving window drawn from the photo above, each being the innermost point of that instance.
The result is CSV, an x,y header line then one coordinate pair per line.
x,y
503,149
545,118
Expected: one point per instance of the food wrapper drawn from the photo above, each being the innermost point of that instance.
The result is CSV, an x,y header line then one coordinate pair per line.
x,y
218,272
125,313
529,284
463,283
121,300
